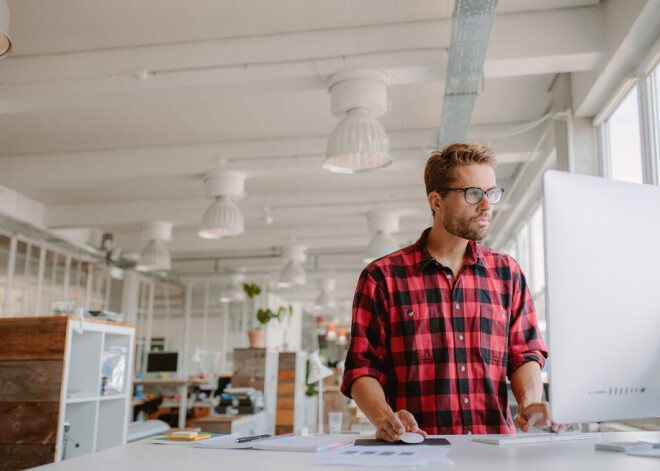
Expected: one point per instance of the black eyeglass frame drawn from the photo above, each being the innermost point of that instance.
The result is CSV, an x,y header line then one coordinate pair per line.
x,y
481,197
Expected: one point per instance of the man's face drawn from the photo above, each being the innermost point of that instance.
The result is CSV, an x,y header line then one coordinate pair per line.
x,y
468,221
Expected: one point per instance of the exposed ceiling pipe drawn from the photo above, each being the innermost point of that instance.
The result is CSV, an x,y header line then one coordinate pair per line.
x,y
470,34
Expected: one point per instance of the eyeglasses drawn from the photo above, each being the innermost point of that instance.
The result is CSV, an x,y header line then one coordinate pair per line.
x,y
474,195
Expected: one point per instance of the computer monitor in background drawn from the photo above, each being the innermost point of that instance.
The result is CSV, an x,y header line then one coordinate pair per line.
x,y
162,362
602,261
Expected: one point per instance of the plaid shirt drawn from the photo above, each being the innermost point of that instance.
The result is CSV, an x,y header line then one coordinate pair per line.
x,y
442,347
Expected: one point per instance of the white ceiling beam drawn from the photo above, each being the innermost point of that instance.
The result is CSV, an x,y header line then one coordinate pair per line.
x,y
632,27
299,156
318,201
315,238
188,211
236,58
553,41
561,40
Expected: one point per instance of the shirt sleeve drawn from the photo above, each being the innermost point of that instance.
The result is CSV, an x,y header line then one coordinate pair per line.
x,y
368,354
526,343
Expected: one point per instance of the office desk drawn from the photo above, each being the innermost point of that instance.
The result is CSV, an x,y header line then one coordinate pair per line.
x,y
182,386
467,455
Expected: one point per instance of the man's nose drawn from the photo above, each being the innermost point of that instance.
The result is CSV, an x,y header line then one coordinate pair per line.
x,y
484,204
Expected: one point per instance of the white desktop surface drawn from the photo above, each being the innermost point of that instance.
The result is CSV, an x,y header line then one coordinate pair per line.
x,y
466,454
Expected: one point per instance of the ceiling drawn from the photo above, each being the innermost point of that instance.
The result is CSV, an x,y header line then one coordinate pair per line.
x,y
111,112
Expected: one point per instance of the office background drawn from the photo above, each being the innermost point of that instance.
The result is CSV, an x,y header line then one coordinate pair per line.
x,y
116,115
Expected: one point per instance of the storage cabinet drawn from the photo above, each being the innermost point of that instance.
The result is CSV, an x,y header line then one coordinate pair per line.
x,y
290,395
257,368
66,388
244,424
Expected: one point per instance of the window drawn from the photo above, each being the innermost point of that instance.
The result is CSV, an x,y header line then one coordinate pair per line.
x,y
630,134
654,99
34,273
527,247
537,282
624,140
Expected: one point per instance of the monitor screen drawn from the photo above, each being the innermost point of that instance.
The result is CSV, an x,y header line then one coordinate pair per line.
x,y
603,297
162,362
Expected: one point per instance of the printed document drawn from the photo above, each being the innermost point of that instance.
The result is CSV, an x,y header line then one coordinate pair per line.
x,y
386,456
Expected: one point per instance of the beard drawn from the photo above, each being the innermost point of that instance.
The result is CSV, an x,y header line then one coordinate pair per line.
x,y
464,228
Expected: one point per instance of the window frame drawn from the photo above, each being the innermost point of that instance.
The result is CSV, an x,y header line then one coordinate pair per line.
x,y
649,117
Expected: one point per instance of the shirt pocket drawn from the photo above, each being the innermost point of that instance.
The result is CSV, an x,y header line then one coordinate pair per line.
x,y
494,334
413,332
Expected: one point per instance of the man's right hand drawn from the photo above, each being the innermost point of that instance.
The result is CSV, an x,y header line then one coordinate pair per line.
x,y
391,426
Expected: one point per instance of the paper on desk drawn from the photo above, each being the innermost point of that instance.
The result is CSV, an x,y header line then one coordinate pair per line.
x,y
386,456
223,441
164,441
654,453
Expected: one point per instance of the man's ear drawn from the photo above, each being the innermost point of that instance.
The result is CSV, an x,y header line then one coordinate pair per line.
x,y
435,201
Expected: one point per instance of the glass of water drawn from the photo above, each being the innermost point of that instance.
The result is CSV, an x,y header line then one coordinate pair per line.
x,y
334,422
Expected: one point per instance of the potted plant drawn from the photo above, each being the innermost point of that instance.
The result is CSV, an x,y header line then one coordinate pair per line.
x,y
264,316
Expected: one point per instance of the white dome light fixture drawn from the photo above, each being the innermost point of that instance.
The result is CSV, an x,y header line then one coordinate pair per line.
x,y
359,142
233,291
384,224
223,217
155,256
5,39
293,273
326,299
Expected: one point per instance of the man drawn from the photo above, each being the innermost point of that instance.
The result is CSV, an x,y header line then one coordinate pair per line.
x,y
438,326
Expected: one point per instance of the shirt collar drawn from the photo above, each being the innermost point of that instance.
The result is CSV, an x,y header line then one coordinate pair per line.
x,y
426,258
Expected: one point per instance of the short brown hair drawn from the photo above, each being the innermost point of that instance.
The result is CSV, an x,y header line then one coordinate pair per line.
x,y
441,167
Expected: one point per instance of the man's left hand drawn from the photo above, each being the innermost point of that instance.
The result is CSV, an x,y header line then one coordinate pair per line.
x,y
537,414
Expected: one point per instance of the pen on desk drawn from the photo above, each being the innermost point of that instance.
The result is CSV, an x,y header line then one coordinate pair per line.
x,y
249,439
334,445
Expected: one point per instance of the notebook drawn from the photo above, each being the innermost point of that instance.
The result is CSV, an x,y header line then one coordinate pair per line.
x,y
288,442
168,441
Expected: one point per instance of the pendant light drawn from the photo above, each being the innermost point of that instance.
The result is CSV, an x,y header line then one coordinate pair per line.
x,y
233,291
359,142
384,224
155,256
223,217
293,273
326,299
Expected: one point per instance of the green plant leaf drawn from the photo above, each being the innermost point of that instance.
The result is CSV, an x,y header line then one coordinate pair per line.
x,y
251,290
264,316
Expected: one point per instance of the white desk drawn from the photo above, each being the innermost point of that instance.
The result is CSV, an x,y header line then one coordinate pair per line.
x,y
467,455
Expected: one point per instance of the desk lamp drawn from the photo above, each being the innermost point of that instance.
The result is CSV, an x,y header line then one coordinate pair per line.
x,y
317,372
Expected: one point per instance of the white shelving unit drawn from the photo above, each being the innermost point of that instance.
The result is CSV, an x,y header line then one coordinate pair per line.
x,y
95,417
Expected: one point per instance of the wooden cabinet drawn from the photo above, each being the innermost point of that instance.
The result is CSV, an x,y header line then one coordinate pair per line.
x,y
257,368
244,424
66,388
290,394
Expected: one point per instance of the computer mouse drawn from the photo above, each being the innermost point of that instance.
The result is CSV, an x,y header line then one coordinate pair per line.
x,y
412,437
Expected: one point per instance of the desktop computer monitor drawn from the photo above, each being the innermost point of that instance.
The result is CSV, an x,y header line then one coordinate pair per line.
x,y
602,261
162,362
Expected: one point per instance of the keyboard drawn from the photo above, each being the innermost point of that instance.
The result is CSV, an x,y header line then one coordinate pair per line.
x,y
522,438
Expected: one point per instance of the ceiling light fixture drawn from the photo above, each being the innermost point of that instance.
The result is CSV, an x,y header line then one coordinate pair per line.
x,y
359,142
223,217
233,291
5,39
155,256
293,273
326,299
384,224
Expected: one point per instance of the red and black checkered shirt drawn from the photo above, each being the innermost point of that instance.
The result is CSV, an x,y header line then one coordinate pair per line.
x,y
443,347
